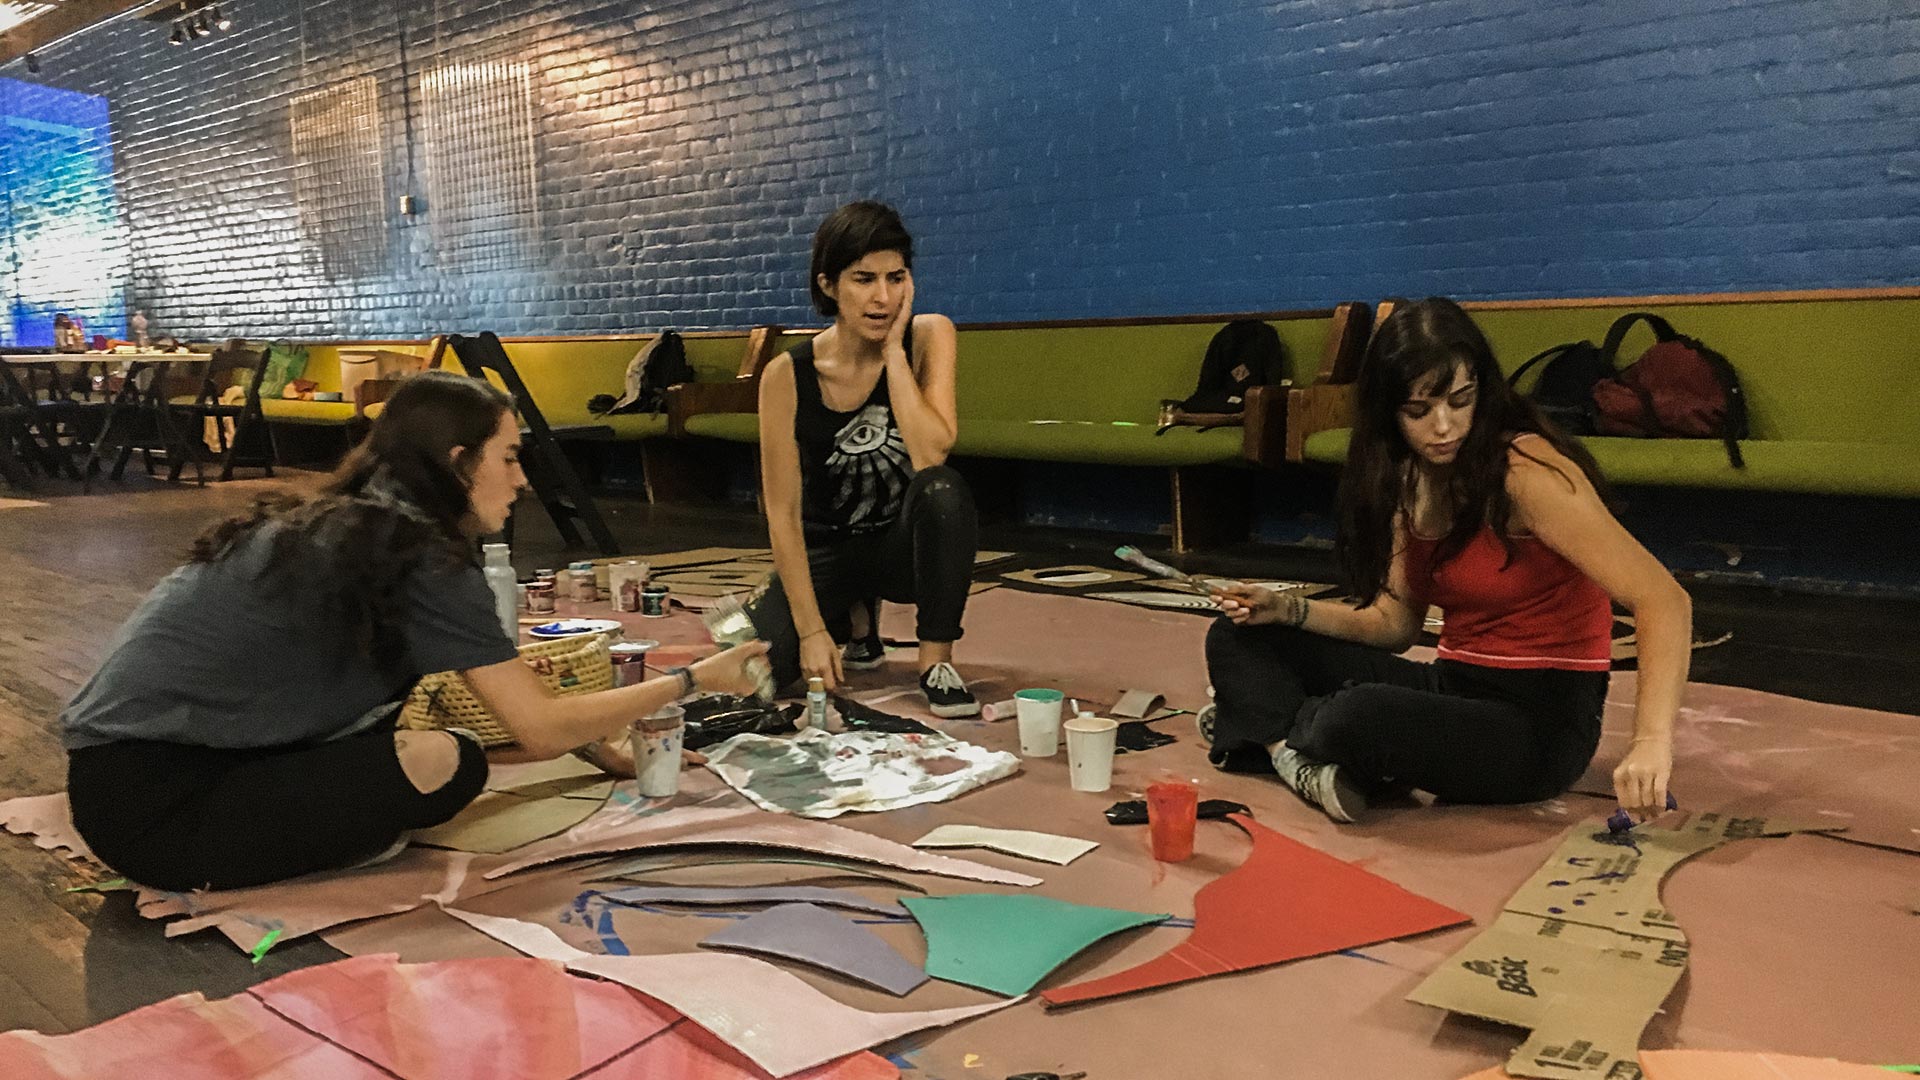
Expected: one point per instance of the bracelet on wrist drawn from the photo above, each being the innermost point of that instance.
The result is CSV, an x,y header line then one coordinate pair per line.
x,y
688,684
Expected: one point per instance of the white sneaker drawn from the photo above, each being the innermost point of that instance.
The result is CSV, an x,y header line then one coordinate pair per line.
x,y
1203,723
1321,784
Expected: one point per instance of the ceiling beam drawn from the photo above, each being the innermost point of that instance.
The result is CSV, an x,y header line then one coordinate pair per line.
x,y
67,19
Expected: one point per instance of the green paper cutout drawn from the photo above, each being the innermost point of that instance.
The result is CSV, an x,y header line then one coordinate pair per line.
x,y
1911,1070
1007,943
259,952
116,885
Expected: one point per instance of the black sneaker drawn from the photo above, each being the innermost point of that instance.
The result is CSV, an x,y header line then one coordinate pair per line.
x,y
947,693
864,654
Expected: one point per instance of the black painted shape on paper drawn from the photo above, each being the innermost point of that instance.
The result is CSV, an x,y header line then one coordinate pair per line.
x,y
1134,811
1135,735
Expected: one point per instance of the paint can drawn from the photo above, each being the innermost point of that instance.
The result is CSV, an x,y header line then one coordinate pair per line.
x,y
653,601
540,597
625,581
580,586
629,661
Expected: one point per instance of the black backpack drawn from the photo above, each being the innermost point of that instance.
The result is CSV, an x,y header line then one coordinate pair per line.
x,y
1244,354
659,364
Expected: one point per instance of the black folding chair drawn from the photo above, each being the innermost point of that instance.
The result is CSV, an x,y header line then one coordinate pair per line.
x,y
251,444
25,415
553,478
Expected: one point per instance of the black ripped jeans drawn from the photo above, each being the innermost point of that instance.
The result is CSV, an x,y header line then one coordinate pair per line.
x,y
924,558
1466,733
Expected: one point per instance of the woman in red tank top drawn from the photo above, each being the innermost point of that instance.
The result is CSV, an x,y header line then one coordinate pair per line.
x,y
1457,494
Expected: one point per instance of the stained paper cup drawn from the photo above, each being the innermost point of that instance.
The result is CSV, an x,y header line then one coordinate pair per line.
x,y
657,741
1090,742
1039,712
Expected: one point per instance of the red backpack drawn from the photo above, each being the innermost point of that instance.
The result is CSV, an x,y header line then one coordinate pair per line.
x,y
1679,388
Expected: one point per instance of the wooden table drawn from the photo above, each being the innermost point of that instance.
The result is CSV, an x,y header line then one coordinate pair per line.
x,y
124,405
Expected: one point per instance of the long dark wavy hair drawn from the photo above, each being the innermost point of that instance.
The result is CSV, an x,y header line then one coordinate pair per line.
x,y
398,502
1419,345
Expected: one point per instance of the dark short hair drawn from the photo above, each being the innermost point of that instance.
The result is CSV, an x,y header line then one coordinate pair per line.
x,y
850,234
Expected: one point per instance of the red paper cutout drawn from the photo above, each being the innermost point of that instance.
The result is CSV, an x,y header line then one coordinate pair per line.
x,y
370,1018
1286,902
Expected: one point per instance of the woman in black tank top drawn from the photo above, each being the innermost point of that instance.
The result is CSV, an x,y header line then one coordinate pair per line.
x,y
855,428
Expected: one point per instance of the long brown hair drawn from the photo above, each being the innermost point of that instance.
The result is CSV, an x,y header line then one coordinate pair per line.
x,y
398,501
1419,344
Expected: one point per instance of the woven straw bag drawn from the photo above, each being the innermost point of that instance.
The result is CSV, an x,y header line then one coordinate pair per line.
x,y
571,665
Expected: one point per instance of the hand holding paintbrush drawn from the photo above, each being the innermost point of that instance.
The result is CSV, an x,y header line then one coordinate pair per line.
x,y
1237,600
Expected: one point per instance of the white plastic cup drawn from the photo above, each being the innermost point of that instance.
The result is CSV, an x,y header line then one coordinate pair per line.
x,y
1039,712
1090,742
657,741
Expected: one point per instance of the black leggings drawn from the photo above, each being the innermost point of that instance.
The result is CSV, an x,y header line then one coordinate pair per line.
x,y
182,817
924,558
1466,733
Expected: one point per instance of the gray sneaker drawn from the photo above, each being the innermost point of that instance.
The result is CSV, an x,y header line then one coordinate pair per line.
x,y
1203,723
1321,784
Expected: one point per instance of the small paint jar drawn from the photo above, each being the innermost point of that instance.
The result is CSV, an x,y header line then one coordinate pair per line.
x,y
653,601
540,598
544,576
629,661
581,588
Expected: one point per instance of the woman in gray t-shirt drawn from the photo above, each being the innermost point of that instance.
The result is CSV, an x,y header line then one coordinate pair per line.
x,y
241,730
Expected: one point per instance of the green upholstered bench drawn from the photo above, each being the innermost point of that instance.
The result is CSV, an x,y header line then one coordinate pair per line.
x,y
1089,391
1830,380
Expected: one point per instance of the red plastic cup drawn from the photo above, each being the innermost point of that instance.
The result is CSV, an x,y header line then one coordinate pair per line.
x,y
1172,809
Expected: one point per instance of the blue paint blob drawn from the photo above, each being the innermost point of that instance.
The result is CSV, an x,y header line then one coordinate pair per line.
x,y
1559,882
1555,911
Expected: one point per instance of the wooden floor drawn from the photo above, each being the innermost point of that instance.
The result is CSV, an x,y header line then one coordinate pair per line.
x,y
71,571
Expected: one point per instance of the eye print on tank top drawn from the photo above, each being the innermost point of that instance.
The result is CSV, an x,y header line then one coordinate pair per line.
x,y
869,467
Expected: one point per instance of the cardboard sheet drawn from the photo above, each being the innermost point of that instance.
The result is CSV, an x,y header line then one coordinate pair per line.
x,y
1585,953
1286,902
810,934
779,1022
521,804
1724,1065
740,896
1039,846
1072,577
713,826
1007,943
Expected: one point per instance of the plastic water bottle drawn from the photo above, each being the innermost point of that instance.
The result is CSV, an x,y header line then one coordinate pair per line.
x,y
506,596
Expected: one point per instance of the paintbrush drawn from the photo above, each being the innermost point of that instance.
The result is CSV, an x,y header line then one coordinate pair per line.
x,y
1133,556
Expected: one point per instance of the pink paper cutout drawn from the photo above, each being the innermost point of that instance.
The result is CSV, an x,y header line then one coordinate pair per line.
x,y
618,829
48,819
1286,902
370,1018
779,1022
1730,1065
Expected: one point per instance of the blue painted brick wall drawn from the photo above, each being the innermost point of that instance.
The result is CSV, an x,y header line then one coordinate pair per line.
x,y
1079,158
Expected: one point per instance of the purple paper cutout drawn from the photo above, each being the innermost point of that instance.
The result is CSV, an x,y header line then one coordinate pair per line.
x,y
813,935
